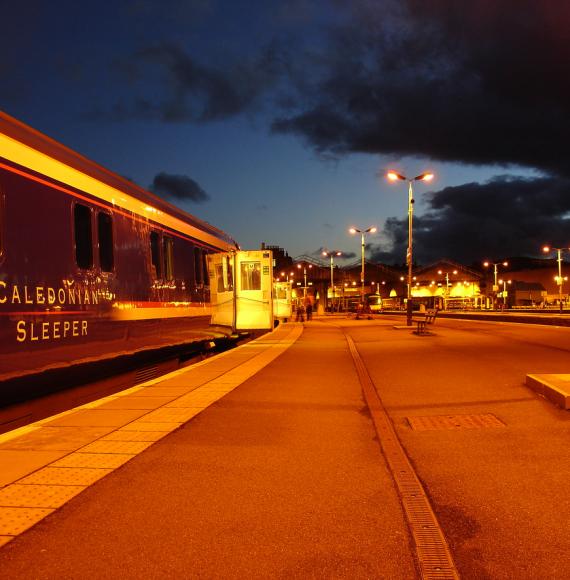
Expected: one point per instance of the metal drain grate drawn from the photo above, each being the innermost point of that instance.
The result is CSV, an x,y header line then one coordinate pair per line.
x,y
432,551
454,422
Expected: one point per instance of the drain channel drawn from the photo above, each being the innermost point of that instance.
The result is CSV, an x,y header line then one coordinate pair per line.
x,y
434,556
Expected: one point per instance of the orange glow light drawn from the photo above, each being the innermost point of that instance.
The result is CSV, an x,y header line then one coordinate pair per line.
x,y
393,176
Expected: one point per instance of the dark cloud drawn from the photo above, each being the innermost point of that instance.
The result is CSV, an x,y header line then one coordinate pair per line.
x,y
347,256
178,188
481,82
477,82
472,222
171,85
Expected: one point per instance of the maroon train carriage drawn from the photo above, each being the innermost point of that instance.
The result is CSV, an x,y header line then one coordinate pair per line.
x,y
93,268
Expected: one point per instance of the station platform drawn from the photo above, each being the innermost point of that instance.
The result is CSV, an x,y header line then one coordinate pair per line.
x,y
274,460
196,478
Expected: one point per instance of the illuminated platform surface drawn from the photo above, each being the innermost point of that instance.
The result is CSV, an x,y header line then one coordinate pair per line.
x,y
263,462
555,388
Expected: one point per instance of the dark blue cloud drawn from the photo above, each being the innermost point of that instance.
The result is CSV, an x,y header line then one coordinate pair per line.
x,y
178,188
472,222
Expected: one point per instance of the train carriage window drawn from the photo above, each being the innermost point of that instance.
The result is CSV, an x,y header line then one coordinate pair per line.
x,y
155,254
198,265
206,277
220,277
230,271
168,254
105,235
250,275
83,236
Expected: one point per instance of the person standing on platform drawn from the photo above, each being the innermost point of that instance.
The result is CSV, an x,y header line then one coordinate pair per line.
x,y
308,308
300,312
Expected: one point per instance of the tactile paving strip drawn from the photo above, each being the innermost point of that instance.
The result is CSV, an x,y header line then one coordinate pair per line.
x,y
133,447
454,422
170,414
198,402
38,496
65,476
123,435
142,426
54,485
14,520
103,460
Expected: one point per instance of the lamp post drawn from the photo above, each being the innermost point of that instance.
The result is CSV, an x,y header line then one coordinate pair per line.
x,y
332,254
393,176
504,283
304,278
288,276
440,272
495,271
370,230
559,279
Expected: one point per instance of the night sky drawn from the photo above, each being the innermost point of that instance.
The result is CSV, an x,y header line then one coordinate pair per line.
x,y
276,120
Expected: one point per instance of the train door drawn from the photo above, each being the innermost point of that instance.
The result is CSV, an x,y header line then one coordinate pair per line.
x,y
254,290
282,300
220,272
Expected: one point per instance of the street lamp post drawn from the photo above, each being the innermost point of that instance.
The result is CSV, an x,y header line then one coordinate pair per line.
x,y
504,283
304,278
288,276
495,271
559,279
393,176
332,254
440,272
370,230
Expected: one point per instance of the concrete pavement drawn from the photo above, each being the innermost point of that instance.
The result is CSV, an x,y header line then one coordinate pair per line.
x,y
280,478
283,477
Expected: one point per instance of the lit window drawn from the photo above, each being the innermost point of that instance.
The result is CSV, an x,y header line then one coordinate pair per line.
x,y
220,277
251,275
83,236
280,293
230,272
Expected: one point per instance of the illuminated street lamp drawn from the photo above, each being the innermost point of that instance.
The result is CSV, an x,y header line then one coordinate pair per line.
x,y
559,279
495,271
393,176
441,273
288,276
504,283
332,254
370,230
305,278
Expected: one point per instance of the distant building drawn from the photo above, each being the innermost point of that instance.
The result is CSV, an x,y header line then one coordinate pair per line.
x,y
536,280
282,262
445,283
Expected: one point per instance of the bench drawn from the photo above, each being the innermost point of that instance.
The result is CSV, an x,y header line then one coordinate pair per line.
x,y
422,319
